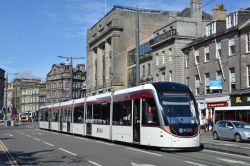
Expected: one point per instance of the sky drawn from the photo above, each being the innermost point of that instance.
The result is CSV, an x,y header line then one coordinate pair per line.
x,y
34,32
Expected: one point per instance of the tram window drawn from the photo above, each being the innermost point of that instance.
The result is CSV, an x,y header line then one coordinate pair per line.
x,y
41,115
78,114
54,116
122,113
46,116
64,115
241,115
89,114
149,113
69,113
101,113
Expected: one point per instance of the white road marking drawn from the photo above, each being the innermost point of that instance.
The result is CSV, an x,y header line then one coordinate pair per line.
x,y
210,151
10,135
28,135
68,152
144,151
36,139
94,163
105,143
135,164
193,163
233,161
48,144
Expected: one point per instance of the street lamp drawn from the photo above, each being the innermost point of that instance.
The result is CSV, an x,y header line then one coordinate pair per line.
x,y
71,72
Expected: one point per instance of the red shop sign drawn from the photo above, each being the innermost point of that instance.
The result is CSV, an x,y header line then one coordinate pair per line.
x,y
217,104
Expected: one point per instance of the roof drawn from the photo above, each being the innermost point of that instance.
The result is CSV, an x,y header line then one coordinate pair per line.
x,y
187,13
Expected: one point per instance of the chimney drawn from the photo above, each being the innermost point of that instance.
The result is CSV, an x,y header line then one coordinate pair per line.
x,y
196,9
219,12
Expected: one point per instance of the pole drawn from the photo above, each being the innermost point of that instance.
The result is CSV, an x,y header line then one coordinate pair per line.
x,y
71,78
137,52
6,97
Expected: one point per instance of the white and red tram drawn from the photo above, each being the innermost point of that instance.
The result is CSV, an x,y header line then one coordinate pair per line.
x,y
162,114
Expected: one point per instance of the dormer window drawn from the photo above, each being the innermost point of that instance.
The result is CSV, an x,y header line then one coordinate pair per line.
x,y
232,20
211,29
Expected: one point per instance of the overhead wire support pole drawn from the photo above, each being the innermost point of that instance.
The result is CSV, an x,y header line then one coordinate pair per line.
x,y
137,53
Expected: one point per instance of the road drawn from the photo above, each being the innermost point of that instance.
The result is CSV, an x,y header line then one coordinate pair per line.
x,y
28,145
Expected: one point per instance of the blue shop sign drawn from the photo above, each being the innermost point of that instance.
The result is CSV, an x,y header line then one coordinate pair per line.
x,y
215,84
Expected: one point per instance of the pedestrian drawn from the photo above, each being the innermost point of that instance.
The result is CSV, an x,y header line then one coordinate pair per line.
x,y
205,123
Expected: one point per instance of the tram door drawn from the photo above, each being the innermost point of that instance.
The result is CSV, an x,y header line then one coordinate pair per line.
x,y
61,119
68,119
89,120
49,118
136,121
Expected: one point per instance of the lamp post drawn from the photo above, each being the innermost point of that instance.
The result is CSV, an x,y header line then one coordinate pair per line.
x,y
6,93
71,72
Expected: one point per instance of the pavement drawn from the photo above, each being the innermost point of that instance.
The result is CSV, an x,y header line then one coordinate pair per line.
x,y
227,146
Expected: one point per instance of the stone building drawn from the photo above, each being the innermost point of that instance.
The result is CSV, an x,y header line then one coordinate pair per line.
x,y
2,83
29,98
10,95
58,82
218,64
161,58
107,43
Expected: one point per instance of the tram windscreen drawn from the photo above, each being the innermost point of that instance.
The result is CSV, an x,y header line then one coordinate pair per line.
x,y
178,108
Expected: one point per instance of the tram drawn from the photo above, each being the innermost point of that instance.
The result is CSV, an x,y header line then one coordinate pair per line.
x,y
162,114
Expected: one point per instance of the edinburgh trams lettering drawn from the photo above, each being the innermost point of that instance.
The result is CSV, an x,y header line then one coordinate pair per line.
x,y
162,114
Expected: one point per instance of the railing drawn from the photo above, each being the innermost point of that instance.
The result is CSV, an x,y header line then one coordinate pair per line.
x,y
162,37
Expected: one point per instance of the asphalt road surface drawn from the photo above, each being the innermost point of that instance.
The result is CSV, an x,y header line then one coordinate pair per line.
x,y
29,145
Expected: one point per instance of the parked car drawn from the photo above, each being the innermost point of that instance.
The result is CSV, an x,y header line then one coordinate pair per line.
x,y
235,130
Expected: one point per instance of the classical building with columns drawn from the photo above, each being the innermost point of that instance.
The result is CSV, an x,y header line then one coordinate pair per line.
x,y
107,43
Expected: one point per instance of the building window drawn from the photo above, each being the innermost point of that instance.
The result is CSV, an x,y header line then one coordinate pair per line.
x,y
131,77
207,58
211,29
219,75
248,76
163,57
207,87
231,46
197,85
149,69
232,20
187,60
248,42
170,54
157,60
170,75
143,71
163,76
232,79
197,57
218,50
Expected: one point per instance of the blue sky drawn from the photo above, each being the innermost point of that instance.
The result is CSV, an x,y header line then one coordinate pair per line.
x,y
34,32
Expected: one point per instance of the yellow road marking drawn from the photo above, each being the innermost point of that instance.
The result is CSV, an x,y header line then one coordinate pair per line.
x,y
11,159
